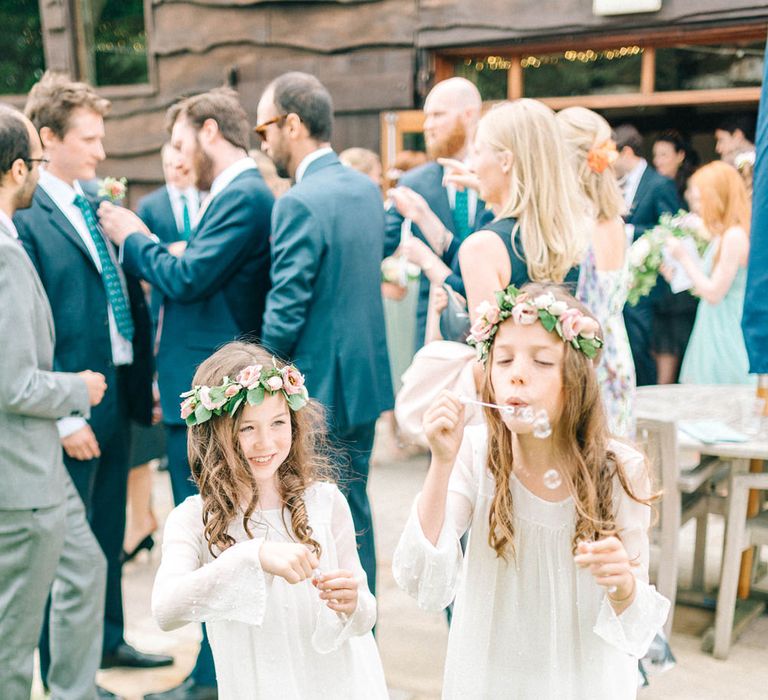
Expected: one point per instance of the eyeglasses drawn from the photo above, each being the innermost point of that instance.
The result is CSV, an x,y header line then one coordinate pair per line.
x,y
41,161
261,129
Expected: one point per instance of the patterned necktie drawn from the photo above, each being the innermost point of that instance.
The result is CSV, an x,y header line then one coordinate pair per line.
x,y
461,214
185,220
109,274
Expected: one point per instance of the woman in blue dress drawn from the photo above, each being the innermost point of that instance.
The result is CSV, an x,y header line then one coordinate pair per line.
x,y
716,353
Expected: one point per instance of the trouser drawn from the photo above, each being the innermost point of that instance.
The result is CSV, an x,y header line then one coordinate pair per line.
x,y
639,323
102,485
30,545
182,485
354,446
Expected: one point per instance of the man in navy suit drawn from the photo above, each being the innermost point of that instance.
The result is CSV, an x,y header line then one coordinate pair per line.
x,y
647,195
324,311
214,292
451,112
101,322
170,211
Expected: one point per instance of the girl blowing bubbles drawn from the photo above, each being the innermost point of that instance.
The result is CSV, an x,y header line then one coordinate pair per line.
x,y
552,597
266,554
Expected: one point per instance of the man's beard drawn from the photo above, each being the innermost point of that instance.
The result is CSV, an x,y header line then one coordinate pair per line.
x,y
450,145
281,157
203,166
23,198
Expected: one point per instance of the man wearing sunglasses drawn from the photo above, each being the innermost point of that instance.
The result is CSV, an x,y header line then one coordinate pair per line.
x,y
324,310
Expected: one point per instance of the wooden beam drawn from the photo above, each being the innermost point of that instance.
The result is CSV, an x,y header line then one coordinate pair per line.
x,y
515,80
746,95
648,70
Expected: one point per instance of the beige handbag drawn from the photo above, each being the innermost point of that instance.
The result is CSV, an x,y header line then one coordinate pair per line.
x,y
439,365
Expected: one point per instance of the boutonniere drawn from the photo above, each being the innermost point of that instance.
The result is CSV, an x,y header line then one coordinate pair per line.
x,y
113,189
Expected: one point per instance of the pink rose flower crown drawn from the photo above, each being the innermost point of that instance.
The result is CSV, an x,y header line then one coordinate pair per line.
x,y
252,384
555,315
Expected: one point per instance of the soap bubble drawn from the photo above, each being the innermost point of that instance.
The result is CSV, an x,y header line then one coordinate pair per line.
x,y
509,411
552,479
541,426
527,415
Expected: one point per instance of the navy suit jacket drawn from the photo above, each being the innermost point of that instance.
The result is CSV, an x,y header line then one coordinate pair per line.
x,y
656,195
215,292
79,306
427,180
156,212
324,311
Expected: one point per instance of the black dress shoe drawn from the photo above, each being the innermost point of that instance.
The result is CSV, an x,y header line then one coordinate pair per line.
x,y
188,690
125,655
104,693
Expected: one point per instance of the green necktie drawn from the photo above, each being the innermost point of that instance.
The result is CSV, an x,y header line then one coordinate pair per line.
x,y
109,274
186,231
461,214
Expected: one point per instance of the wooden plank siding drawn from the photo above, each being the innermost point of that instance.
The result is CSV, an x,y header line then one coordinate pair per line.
x,y
374,55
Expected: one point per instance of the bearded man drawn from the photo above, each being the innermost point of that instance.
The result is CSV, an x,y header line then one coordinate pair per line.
x,y
451,112
214,292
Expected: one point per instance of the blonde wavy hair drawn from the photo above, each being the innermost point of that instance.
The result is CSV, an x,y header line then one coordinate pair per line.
x,y
544,196
221,470
581,438
584,130
724,197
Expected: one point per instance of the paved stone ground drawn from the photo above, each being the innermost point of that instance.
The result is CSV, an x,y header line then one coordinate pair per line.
x,y
413,642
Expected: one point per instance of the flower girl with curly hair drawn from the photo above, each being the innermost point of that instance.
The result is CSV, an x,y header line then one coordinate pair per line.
x,y
266,554
552,595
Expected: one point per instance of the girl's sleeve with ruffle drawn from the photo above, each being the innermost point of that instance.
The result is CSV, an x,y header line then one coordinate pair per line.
x,y
634,629
427,572
231,587
332,629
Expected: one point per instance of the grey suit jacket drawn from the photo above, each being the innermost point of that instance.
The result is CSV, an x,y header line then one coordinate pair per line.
x,y
32,396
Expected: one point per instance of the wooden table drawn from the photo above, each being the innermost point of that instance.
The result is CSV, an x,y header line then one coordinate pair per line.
x,y
724,403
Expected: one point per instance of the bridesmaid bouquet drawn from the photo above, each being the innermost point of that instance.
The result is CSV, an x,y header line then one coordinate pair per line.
x,y
646,253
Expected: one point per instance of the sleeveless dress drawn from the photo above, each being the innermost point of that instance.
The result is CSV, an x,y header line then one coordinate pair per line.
x,y
716,352
605,293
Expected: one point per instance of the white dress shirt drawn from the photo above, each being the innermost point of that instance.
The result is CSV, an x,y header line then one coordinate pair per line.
x,y
8,223
631,181
192,196
63,196
224,178
309,159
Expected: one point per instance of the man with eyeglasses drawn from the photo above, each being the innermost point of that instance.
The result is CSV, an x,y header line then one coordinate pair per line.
x,y
101,321
324,310
44,534
214,292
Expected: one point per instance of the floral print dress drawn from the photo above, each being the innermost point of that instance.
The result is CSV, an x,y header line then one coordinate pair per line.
x,y
605,293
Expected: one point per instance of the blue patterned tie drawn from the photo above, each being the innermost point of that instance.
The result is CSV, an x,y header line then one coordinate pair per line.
x,y
109,274
461,214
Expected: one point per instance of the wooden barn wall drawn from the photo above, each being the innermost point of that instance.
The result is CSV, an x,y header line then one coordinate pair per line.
x,y
362,51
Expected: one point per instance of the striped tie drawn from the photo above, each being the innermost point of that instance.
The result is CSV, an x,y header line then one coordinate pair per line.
x,y
109,274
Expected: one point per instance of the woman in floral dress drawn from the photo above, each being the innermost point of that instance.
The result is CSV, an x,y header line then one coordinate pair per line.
x,y
604,275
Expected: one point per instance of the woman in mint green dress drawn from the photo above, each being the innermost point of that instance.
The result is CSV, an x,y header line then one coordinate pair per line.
x,y
716,353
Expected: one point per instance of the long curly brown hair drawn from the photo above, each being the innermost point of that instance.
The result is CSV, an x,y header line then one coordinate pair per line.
x,y
581,439
221,470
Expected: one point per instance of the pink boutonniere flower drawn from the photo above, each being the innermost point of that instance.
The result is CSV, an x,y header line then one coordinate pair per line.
x,y
113,189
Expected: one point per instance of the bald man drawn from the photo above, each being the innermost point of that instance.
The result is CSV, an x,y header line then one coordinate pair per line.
x,y
451,112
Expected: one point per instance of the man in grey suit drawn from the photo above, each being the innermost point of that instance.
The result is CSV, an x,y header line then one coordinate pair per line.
x,y
44,537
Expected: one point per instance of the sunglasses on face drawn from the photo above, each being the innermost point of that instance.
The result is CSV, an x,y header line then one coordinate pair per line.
x,y
261,129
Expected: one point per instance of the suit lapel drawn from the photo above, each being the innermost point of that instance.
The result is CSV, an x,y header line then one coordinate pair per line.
x,y
59,221
642,189
442,203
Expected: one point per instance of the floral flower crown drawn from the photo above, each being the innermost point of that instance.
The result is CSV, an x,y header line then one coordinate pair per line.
x,y
602,156
569,323
251,384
